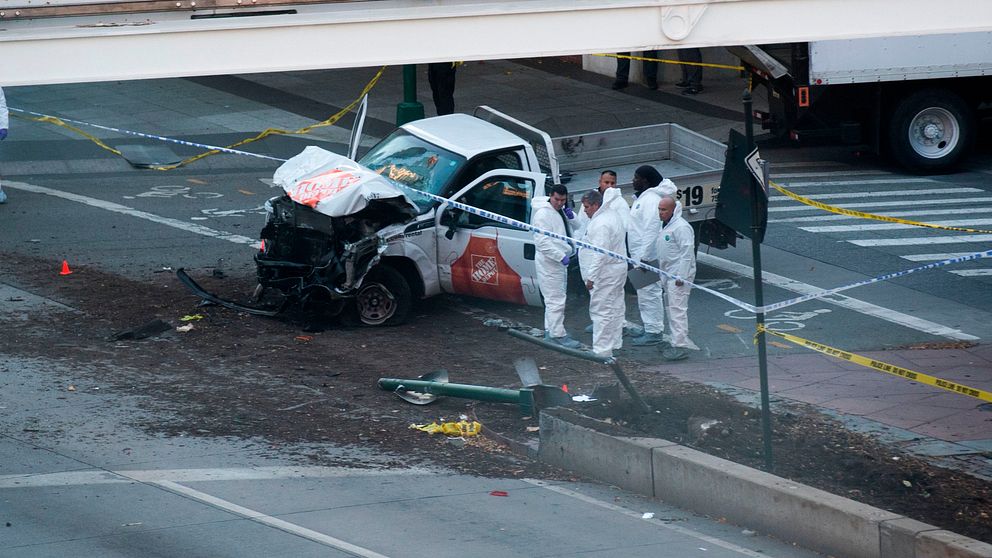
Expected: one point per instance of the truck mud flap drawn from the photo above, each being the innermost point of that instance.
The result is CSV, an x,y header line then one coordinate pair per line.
x,y
200,292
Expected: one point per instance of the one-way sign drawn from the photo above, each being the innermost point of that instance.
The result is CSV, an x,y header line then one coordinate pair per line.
x,y
754,165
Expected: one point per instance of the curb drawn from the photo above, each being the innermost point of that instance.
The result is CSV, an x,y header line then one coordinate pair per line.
x,y
705,484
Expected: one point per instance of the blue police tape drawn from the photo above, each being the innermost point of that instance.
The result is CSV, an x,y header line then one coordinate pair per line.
x,y
149,136
739,303
528,227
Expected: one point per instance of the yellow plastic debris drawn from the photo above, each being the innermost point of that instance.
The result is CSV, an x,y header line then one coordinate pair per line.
x,y
460,428
191,318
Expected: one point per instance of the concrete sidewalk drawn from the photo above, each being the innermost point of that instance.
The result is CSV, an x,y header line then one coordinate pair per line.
x,y
561,98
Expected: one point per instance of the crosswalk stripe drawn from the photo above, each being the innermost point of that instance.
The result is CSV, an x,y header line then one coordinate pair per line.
x,y
841,183
890,226
924,192
782,176
934,257
900,203
922,240
973,272
955,211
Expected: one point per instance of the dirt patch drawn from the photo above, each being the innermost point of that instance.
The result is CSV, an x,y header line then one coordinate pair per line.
x,y
304,381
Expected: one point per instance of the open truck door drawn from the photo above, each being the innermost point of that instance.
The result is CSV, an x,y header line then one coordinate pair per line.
x,y
356,131
483,256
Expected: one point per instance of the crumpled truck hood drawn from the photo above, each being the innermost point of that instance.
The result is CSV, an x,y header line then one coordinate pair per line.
x,y
335,185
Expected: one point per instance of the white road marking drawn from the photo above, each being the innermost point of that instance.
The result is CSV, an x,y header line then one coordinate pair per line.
x,y
268,520
935,257
973,272
842,183
125,210
922,212
923,192
75,478
901,203
922,240
640,517
807,164
778,177
857,305
891,226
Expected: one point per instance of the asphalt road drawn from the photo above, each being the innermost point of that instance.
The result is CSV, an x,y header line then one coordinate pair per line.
x,y
98,489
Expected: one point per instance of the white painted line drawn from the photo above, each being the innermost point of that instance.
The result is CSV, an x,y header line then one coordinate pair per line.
x,y
955,211
640,517
810,164
97,476
866,308
123,209
842,183
923,192
268,520
935,257
973,272
901,203
923,240
776,177
891,226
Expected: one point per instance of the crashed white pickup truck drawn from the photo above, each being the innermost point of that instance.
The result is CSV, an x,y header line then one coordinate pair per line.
x,y
346,231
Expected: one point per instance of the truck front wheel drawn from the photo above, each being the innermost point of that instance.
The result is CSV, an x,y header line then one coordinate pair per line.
x,y
930,130
384,298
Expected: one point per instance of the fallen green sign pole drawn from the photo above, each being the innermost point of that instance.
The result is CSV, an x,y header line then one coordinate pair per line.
x,y
524,398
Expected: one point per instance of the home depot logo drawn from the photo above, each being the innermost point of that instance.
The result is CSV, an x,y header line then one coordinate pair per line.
x,y
485,270
313,190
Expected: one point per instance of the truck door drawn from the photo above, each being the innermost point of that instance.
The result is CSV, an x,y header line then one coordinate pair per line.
x,y
356,131
481,256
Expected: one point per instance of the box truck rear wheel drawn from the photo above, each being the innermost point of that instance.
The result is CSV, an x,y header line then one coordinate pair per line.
x,y
384,298
930,130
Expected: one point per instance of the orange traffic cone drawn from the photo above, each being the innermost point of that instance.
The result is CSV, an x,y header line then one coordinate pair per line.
x,y
65,268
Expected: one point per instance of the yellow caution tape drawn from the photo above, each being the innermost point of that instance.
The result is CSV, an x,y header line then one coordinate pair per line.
x,y
330,121
863,215
59,122
460,428
881,366
677,62
270,131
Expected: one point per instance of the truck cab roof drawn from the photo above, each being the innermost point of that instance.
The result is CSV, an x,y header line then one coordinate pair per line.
x,y
465,135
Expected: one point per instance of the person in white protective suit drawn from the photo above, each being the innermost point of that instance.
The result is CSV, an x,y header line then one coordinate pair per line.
x,y
604,275
676,256
553,256
607,180
642,236
4,123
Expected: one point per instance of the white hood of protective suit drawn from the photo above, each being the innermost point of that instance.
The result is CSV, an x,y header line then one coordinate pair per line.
x,y
613,200
644,224
335,185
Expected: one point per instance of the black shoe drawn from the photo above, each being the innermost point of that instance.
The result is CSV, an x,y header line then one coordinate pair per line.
x,y
692,90
619,84
683,83
652,84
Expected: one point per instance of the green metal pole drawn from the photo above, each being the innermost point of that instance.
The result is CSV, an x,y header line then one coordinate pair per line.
x,y
759,300
410,109
522,397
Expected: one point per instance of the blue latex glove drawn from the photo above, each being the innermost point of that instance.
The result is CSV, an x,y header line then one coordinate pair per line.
x,y
3,134
565,260
568,211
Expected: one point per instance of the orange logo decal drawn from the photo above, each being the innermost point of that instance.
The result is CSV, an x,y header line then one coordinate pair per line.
x,y
313,190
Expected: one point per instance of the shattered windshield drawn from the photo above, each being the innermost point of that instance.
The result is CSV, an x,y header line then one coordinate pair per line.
x,y
413,162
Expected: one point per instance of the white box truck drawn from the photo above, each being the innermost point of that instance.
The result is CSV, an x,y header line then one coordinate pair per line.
x,y
917,99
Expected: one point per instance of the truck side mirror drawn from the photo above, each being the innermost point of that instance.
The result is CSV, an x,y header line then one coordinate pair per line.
x,y
450,218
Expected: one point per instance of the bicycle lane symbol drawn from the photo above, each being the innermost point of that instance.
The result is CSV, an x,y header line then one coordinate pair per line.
x,y
782,321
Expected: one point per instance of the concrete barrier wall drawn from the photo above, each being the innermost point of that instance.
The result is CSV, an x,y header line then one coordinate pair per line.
x,y
705,484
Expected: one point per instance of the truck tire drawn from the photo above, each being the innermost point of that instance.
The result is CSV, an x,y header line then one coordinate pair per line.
x,y
931,130
384,298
